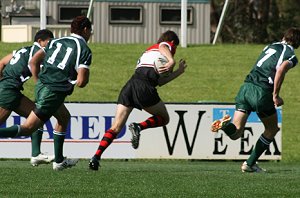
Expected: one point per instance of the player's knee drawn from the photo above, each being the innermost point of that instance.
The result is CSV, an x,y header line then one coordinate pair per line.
x,y
234,136
116,128
165,120
273,130
270,133
64,118
63,124
66,115
27,130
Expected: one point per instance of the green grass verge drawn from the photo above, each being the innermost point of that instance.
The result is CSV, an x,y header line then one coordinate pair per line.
x,y
150,178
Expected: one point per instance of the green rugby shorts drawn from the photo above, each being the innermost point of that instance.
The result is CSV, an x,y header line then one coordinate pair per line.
x,y
47,101
254,98
10,98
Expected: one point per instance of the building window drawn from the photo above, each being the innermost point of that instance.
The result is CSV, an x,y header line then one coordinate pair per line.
x,y
172,15
68,13
125,15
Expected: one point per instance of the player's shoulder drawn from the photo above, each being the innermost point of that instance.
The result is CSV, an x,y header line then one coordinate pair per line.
x,y
23,48
34,48
153,47
81,41
275,45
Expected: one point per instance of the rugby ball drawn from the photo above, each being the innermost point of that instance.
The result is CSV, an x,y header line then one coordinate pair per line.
x,y
159,62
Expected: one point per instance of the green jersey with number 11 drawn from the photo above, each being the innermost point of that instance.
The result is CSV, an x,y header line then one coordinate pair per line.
x,y
64,56
264,70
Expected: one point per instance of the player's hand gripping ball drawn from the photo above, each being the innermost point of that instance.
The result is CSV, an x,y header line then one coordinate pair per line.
x,y
159,63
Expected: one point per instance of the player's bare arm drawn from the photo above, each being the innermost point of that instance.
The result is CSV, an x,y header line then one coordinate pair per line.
x,y
82,77
35,63
164,50
279,77
181,68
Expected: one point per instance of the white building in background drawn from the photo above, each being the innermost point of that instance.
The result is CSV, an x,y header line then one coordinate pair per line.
x,y
114,21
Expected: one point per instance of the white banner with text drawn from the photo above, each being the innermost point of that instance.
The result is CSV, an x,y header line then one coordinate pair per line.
x,y
187,136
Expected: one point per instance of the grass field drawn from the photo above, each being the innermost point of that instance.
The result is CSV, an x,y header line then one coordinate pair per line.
x,y
152,178
214,73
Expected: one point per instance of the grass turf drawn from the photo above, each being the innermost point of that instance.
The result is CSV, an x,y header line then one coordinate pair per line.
x,y
150,178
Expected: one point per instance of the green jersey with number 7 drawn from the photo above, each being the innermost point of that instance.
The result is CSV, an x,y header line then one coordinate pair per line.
x,y
264,70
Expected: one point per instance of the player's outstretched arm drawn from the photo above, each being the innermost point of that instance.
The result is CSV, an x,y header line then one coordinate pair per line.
x,y
181,68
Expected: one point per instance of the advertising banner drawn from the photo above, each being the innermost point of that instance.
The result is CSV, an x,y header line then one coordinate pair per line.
x,y
187,136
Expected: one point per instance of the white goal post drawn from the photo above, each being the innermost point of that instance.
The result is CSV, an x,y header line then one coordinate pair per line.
x,y
43,13
220,24
90,9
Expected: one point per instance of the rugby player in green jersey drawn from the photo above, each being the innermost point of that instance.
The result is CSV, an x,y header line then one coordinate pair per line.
x,y
14,72
66,63
260,94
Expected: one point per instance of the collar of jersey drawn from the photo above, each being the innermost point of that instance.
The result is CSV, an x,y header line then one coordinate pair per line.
x,y
284,42
78,36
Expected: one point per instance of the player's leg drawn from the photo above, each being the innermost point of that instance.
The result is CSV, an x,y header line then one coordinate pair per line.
x,y
271,129
37,157
25,107
49,103
160,117
31,124
243,107
239,122
62,116
121,117
268,115
8,100
234,129
4,114
38,116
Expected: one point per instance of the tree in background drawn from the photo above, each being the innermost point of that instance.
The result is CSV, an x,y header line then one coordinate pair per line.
x,y
254,21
